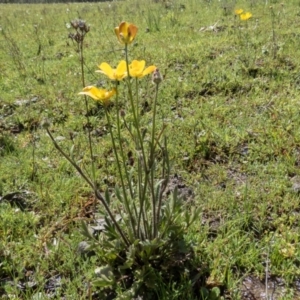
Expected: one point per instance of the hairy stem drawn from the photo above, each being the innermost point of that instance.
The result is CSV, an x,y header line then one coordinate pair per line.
x,y
87,109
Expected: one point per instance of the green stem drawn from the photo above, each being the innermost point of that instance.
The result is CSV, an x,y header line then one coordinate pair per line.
x,y
87,116
273,33
139,146
165,175
137,102
126,202
121,146
152,165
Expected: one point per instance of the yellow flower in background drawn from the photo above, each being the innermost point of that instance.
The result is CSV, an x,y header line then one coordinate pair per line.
x,y
245,16
101,95
126,32
114,74
137,69
238,11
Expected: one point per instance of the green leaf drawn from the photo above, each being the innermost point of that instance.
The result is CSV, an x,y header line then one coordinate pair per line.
x,y
102,283
130,258
86,231
105,277
195,215
204,293
215,292
71,153
107,196
118,194
157,189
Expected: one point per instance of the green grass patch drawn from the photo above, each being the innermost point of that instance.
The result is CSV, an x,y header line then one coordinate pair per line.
x,y
230,100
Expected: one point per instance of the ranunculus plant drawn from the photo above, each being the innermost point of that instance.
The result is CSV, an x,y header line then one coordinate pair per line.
x,y
141,244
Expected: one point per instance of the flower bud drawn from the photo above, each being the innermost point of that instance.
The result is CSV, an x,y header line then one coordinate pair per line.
x,y
122,113
157,77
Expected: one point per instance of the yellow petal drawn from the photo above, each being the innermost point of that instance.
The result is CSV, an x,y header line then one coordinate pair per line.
x,y
132,31
149,70
90,91
123,32
117,32
101,95
123,28
126,32
136,68
107,95
138,64
121,71
107,70
239,11
245,16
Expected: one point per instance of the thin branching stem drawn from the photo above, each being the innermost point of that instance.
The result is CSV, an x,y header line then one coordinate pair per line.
x,y
91,184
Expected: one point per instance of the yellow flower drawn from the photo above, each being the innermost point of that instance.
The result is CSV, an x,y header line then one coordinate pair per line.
x,y
137,69
245,16
101,95
239,11
114,74
126,32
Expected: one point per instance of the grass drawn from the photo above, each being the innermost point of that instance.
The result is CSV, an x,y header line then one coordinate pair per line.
x,y
230,99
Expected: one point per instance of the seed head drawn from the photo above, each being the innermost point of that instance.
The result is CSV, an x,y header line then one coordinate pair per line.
x,y
157,77
81,25
75,24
